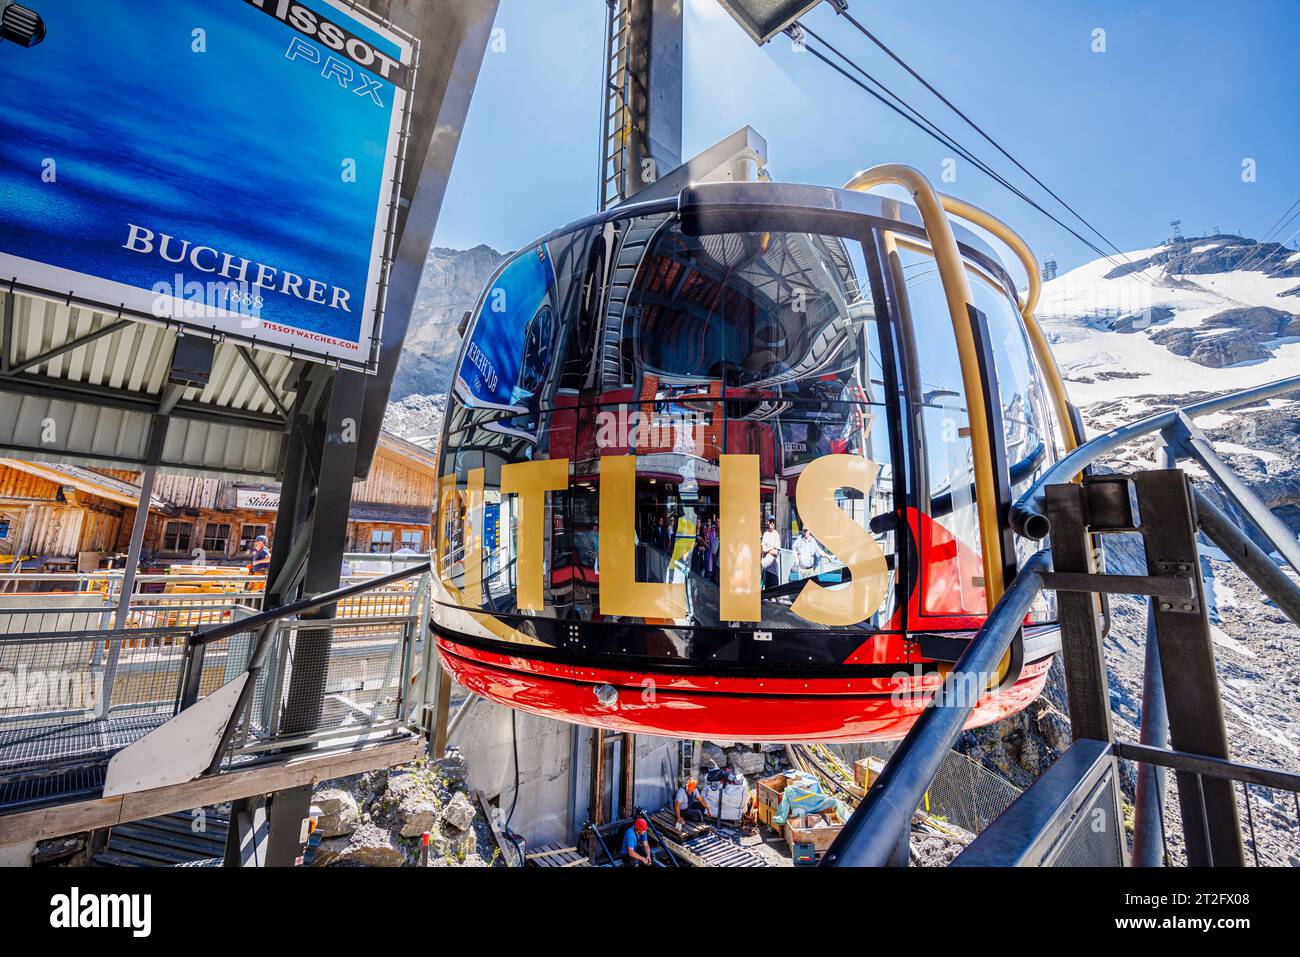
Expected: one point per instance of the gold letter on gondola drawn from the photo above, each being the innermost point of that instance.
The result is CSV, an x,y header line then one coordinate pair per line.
x,y
446,506
620,592
849,541
740,597
473,538
531,481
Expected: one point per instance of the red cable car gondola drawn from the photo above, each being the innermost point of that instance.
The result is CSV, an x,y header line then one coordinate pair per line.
x,y
731,464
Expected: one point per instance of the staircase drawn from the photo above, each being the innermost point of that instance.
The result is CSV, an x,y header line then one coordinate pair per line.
x,y
167,841
631,252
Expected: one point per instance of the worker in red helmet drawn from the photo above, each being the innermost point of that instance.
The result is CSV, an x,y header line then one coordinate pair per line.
x,y
636,844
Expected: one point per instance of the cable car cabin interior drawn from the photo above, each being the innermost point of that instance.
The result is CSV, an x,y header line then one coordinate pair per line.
x,y
737,464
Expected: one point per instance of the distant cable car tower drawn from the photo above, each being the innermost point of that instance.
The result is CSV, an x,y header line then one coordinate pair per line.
x,y
1177,227
1049,268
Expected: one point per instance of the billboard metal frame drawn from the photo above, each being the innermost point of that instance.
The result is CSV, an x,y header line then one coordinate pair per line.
x,y
383,244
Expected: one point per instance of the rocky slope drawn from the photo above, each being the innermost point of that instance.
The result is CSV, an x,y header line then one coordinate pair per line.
x,y
450,286
378,819
417,418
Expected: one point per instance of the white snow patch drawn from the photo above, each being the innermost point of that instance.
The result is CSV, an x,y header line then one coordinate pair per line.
x,y
1232,447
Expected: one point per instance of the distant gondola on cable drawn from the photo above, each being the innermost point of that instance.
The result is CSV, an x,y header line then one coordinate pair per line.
x,y
736,463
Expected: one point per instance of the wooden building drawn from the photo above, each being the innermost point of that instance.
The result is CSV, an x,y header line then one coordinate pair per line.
x,y
57,513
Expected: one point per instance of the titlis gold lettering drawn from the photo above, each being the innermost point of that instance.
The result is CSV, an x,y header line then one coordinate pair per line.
x,y
739,579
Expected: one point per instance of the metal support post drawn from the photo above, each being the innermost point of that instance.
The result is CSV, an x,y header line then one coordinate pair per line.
x,y
1081,638
153,454
1149,799
1211,829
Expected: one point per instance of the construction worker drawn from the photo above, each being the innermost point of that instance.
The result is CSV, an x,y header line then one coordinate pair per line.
x,y
689,803
636,844
261,557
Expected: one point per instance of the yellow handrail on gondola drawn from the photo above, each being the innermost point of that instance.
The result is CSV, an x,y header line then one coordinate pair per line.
x,y
956,288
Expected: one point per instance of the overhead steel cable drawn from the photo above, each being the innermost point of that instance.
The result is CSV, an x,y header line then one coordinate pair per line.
x,y
1282,223
976,127
929,128
1274,228
1280,246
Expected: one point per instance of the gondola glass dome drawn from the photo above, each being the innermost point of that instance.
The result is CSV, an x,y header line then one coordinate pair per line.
x,y
732,465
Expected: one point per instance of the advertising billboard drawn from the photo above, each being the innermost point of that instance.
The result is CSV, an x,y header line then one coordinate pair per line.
x,y
510,349
229,166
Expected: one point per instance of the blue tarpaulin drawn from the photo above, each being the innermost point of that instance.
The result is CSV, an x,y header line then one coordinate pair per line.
x,y
796,801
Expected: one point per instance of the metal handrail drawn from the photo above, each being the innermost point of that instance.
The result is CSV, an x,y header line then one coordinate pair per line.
x,y
263,625
1028,518
872,836
265,618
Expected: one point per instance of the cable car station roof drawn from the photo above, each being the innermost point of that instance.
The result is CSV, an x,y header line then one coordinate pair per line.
x,y
82,385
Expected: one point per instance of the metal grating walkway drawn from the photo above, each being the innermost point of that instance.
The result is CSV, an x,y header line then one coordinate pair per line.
x,y
52,763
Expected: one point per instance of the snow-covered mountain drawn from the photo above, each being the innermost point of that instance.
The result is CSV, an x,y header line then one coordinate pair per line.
x,y
1210,314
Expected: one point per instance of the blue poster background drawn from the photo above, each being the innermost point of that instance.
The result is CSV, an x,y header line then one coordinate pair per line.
x,y
237,148
500,358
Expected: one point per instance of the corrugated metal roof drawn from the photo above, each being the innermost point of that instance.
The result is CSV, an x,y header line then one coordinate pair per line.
x,y
95,483
93,403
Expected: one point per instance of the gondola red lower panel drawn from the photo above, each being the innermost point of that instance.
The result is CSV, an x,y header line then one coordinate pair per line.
x,y
731,708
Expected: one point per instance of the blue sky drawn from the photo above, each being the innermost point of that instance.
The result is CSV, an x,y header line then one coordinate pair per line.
x,y
1155,128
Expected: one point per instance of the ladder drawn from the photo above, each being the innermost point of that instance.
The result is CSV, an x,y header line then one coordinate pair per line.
x,y
616,126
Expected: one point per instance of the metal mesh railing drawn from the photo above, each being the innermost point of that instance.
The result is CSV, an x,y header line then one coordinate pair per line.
x,y
73,696
41,602
65,698
323,679
963,792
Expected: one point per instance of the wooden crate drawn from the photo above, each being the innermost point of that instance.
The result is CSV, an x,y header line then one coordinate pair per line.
x,y
770,790
866,770
820,838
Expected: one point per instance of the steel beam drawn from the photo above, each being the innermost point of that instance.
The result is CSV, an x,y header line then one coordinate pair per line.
x,y
1195,444
254,368
324,565
6,347
1248,556
157,435
1081,638
453,38
107,329
1211,829
1210,767
286,814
